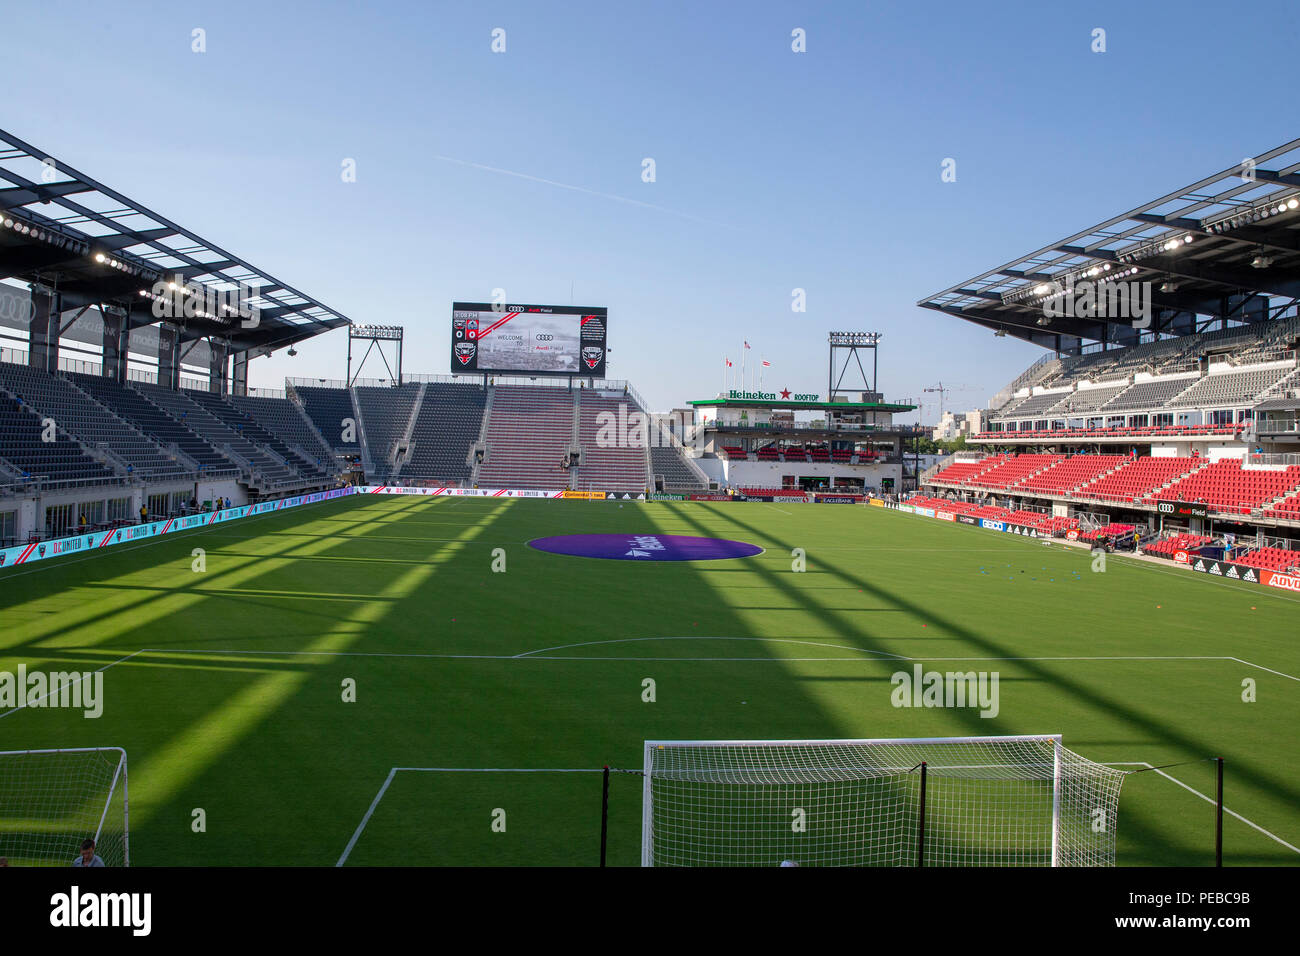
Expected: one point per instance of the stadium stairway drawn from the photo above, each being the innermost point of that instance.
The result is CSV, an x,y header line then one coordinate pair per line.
x,y
1137,479
402,451
528,433
444,432
1006,475
1225,486
1063,477
327,408
287,420
623,464
300,467
384,416
265,470
167,431
102,434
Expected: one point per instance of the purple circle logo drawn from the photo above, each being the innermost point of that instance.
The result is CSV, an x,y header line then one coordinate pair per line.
x,y
645,547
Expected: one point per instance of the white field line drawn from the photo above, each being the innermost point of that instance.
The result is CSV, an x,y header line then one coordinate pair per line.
x,y
537,655
394,771
774,640
366,819
13,710
1209,800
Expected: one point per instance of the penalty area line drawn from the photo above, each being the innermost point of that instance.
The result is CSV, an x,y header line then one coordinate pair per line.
x,y
394,771
1209,800
537,655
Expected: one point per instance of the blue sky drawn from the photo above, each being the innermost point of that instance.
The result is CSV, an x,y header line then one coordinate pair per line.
x,y
774,170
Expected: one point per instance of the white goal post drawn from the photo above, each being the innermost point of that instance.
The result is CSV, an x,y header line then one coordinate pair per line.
x,y
928,801
52,800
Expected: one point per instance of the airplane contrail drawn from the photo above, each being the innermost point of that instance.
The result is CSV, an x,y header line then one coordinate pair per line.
x,y
584,189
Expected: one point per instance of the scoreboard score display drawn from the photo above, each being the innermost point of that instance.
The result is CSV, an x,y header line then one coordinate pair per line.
x,y
538,339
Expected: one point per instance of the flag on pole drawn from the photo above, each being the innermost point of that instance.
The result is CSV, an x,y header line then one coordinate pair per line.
x,y
767,365
747,345
728,361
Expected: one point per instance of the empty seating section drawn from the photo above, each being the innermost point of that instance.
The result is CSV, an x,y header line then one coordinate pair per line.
x,y
385,413
1030,519
1289,509
1272,559
1179,542
157,424
1087,400
529,431
1059,525
1138,478
1117,431
774,492
1214,370
1012,470
666,462
59,460
284,418
613,458
1149,394
248,427
1035,405
207,426
960,471
1071,473
1233,388
328,409
446,428
77,413
1227,487
734,451
1112,531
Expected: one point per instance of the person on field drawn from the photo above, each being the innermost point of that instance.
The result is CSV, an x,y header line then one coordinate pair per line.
x,y
88,856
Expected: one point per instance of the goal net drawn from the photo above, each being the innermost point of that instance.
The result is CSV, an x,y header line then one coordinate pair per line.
x,y
977,801
52,800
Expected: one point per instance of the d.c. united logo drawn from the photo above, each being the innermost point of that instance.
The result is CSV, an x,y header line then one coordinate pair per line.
x,y
465,352
40,550
592,355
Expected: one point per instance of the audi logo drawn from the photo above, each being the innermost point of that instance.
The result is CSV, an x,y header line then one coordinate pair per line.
x,y
545,337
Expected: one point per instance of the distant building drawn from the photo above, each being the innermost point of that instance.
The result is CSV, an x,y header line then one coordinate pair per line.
x,y
955,425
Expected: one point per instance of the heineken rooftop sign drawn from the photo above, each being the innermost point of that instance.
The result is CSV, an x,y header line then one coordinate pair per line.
x,y
784,395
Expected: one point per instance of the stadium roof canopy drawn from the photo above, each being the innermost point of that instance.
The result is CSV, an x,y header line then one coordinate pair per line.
x,y
1224,250
62,230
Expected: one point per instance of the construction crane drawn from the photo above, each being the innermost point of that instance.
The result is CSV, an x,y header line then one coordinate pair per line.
x,y
945,389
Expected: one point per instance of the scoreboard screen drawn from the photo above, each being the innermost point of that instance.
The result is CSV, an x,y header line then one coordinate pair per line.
x,y
538,339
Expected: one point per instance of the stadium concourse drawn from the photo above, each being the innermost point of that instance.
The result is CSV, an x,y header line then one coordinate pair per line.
x,y
1166,412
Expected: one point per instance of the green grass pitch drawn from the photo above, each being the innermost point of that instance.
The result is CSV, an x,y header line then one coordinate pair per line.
x,y
226,685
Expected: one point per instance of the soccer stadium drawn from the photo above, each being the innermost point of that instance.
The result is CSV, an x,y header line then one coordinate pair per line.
x,y
487,605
